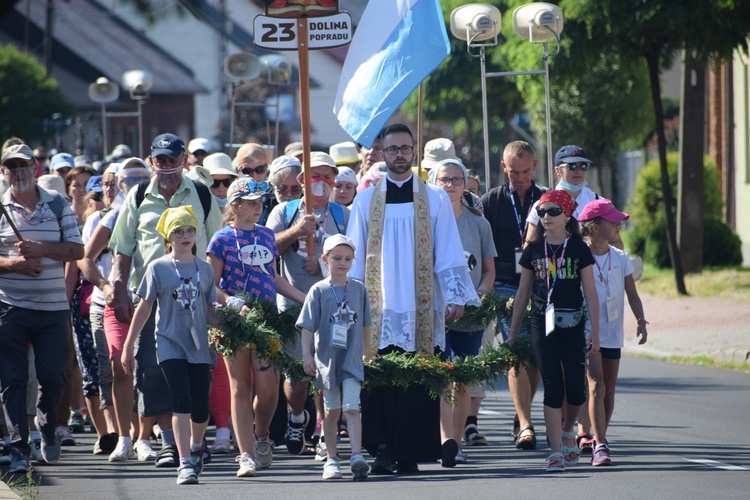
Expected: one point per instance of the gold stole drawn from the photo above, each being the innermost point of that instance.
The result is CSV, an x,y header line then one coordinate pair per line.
x,y
423,270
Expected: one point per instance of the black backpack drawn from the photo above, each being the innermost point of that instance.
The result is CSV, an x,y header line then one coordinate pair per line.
x,y
203,194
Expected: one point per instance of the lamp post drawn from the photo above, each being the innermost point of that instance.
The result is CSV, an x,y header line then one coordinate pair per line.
x,y
104,91
138,82
479,25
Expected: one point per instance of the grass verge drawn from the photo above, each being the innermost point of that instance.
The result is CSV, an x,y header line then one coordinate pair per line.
x,y
24,486
703,360
732,283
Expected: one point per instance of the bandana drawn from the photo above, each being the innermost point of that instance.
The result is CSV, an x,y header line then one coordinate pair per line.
x,y
560,198
172,218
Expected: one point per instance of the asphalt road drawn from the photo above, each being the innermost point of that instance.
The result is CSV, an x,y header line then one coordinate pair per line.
x,y
678,432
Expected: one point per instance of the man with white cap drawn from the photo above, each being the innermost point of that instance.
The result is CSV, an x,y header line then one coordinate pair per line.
x,y
39,233
219,166
292,227
198,149
283,178
346,154
137,243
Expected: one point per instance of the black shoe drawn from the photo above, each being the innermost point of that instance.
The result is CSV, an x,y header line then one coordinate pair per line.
x,y
382,464
407,468
108,443
295,435
167,457
448,453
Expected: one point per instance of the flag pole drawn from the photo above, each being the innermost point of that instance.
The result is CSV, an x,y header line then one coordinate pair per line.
x,y
304,99
420,123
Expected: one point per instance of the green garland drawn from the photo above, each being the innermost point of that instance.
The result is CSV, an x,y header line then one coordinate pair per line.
x,y
265,330
493,306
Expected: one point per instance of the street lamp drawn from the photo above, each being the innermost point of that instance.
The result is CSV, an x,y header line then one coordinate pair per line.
x,y
479,25
138,82
104,91
244,66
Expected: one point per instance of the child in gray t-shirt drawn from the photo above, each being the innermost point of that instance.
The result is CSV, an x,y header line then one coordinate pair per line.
x,y
338,312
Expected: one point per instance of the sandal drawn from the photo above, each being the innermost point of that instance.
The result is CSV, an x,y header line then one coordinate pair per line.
x,y
343,431
585,442
555,462
516,426
527,441
571,455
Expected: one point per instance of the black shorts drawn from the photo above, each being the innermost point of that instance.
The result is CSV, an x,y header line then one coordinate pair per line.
x,y
610,353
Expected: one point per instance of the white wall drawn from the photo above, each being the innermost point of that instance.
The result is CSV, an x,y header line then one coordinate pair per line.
x,y
742,152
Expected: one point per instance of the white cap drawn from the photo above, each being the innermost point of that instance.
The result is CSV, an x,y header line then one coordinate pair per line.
x,y
52,182
336,240
346,174
447,161
199,143
321,159
344,153
219,164
282,162
436,150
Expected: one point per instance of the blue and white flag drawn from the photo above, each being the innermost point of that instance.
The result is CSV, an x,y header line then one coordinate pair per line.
x,y
397,44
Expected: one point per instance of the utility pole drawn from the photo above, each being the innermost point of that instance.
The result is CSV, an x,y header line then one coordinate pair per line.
x,y
48,35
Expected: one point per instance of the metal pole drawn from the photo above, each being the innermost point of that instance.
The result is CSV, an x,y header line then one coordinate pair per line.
x,y
104,130
140,127
276,134
231,125
485,122
548,111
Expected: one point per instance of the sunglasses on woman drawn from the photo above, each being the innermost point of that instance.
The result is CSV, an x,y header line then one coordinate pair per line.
x,y
219,182
552,212
582,166
260,169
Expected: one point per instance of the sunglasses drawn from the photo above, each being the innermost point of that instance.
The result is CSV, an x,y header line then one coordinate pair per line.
x,y
261,169
583,166
219,182
552,212
184,232
97,196
292,189
132,181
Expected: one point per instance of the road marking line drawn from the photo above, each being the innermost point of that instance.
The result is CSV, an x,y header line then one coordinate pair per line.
x,y
482,411
714,463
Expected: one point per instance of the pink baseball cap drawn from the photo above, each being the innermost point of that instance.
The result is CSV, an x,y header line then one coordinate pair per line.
x,y
603,208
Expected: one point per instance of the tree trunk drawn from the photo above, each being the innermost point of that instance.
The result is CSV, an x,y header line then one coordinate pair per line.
x,y
652,59
690,178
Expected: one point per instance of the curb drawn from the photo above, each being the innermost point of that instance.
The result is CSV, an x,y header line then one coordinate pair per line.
x,y
6,493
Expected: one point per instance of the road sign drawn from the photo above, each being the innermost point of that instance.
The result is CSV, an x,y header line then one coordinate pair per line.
x,y
281,34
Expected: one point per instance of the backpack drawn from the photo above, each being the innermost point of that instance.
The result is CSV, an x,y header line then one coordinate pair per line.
x,y
57,205
292,208
203,194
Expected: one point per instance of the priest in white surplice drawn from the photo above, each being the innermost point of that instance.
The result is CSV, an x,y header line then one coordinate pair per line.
x,y
409,254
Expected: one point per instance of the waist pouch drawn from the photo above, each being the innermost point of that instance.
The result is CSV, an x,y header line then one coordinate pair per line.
x,y
568,318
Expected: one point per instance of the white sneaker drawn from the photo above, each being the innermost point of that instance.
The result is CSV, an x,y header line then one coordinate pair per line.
x,y
65,436
221,446
332,469
321,452
122,453
144,452
247,465
36,450
263,453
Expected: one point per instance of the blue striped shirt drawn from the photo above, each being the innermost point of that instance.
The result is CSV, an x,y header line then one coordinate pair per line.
x,y
47,291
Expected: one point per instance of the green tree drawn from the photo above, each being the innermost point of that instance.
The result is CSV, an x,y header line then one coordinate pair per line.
x,y
653,31
28,96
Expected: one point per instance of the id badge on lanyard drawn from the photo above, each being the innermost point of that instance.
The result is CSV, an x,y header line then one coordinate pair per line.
x,y
340,328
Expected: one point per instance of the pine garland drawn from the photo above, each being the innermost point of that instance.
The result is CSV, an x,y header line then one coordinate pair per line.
x,y
265,330
493,306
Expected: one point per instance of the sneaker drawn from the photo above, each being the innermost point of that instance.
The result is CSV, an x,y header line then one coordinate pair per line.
x,y
472,436
221,446
36,451
359,467
321,452
263,453
382,464
50,449
187,475
65,436
461,457
144,452
197,458
295,435
332,469
5,456
19,462
448,452
167,457
76,423
247,465
122,453
600,457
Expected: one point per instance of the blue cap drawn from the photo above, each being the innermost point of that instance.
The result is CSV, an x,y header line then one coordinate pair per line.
x,y
570,154
61,160
94,184
167,144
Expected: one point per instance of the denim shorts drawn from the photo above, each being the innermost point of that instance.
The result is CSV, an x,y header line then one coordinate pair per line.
x,y
461,344
503,320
